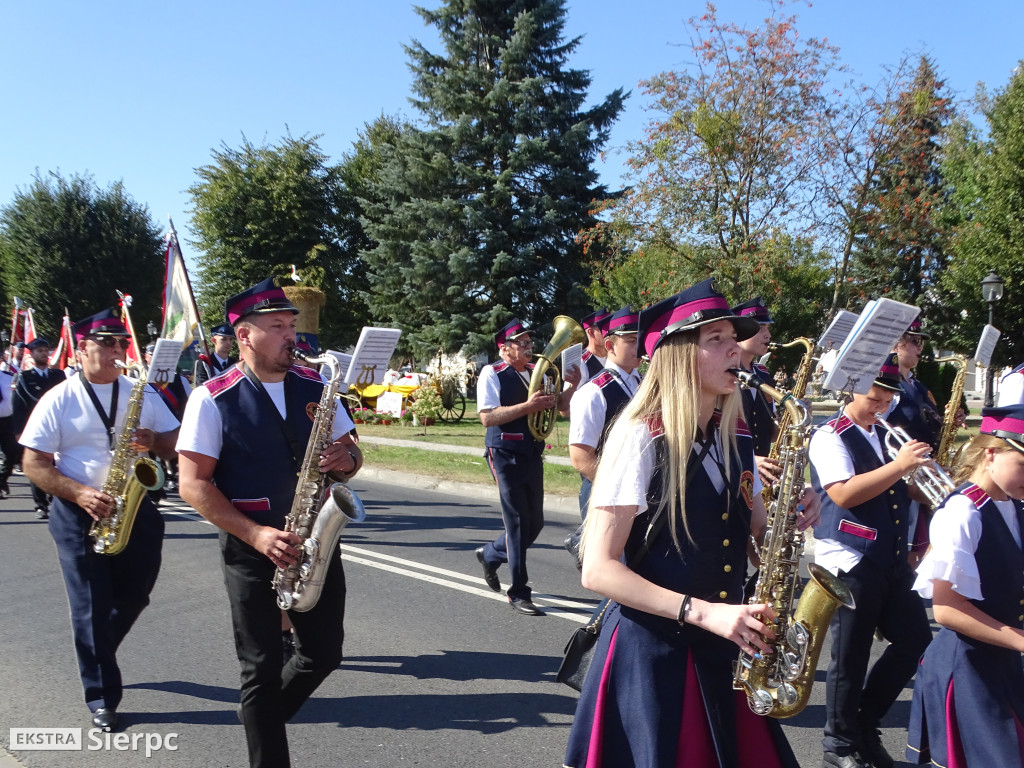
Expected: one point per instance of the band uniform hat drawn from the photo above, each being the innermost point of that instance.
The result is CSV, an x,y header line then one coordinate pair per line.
x,y
19,345
262,298
688,310
512,331
105,323
755,308
1006,422
37,342
223,330
593,320
622,322
889,374
915,330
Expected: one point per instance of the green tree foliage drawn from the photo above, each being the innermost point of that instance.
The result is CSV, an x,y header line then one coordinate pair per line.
x,y
67,243
903,248
258,210
987,178
476,212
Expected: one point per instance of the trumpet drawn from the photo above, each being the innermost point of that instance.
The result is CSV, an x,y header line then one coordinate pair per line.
x,y
931,480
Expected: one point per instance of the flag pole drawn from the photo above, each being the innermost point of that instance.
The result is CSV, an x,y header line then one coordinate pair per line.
x,y
14,331
126,302
191,294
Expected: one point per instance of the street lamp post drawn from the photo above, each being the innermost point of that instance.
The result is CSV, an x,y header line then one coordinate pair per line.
x,y
991,291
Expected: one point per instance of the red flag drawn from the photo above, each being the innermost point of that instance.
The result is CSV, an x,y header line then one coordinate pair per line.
x,y
29,336
134,354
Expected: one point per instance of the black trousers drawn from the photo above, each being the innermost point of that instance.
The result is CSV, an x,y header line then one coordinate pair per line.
x,y
106,593
272,692
10,447
884,601
520,478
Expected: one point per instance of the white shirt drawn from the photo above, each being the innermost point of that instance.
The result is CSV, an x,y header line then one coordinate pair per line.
x,y
202,429
66,424
7,389
1011,389
488,388
954,533
833,463
588,408
626,474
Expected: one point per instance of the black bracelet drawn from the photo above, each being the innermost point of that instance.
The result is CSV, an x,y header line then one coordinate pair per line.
x,y
683,608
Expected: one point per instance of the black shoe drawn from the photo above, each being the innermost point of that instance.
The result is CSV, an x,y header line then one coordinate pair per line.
x,y
42,514
871,745
490,572
525,606
5,490
105,719
852,760
287,645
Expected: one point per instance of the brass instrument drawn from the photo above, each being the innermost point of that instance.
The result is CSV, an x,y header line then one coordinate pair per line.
x,y
130,476
944,454
785,420
932,481
547,379
779,684
319,511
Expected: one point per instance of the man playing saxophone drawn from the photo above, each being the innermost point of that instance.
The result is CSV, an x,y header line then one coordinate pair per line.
x,y
69,440
862,539
243,440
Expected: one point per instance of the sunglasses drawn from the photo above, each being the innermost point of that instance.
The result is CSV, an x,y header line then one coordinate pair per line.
x,y
110,341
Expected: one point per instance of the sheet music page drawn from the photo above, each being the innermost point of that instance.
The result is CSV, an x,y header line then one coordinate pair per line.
x,y
572,356
838,330
373,352
876,332
987,345
343,360
164,365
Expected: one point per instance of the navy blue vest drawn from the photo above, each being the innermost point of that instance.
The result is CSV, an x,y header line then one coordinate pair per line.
x,y
916,412
878,527
759,414
513,435
1000,561
615,399
260,456
594,363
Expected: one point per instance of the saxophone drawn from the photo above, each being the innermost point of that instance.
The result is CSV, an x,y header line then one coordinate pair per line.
x,y
130,475
944,454
785,420
779,684
319,511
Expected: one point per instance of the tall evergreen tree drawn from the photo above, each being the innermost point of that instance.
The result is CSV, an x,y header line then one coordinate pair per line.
x,y
68,243
477,211
904,245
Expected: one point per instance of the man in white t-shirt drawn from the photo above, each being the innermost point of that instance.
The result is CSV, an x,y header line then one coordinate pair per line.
x,y
69,440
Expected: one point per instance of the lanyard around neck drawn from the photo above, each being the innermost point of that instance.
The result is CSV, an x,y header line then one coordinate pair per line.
x,y
108,419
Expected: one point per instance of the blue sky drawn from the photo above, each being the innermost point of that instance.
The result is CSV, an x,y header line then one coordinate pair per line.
x,y
143,92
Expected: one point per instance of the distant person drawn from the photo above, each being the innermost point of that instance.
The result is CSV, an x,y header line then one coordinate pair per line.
x,y
594,353
223,337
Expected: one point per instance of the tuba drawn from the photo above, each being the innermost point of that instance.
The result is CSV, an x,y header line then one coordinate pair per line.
x,y
130,475
779,685
319,511
944,454
547,379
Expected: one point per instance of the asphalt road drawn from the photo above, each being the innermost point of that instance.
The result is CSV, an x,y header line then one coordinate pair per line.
x,y
438,671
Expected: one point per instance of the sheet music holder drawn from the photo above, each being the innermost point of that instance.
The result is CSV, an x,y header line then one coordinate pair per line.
x,y
163,366
873,337
838,330
373,352
572,356
987,345
343,360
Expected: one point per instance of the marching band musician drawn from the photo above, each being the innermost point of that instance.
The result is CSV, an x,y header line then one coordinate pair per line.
x,y
242,443
594,355
659,689
968,701
862,539
599,401
516,459
69,439
758,408
222,336
1011,387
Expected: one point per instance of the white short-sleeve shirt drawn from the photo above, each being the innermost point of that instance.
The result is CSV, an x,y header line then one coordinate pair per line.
x,y
488,388
1011,389
66,424
588,408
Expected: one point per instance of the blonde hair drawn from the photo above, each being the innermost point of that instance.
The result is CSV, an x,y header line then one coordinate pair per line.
x,y
670,392
973,459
